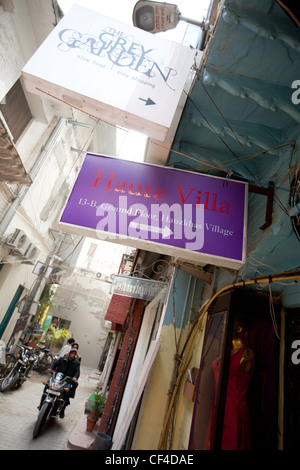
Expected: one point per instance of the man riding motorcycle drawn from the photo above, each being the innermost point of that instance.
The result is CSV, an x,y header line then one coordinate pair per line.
x,y
69,366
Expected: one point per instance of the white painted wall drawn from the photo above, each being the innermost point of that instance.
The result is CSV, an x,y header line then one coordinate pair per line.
x,y
83,298
22,29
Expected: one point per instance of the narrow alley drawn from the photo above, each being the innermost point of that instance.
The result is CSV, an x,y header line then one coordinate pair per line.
x,y
18,410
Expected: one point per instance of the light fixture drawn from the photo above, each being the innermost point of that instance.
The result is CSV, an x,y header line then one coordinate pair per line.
x,y
155,17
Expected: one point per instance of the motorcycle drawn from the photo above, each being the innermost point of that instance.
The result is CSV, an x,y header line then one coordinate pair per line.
x,y
19,370
9,360
53,400
45,358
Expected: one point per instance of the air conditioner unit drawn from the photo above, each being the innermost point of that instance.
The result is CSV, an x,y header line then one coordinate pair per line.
x,y
19,242
32,253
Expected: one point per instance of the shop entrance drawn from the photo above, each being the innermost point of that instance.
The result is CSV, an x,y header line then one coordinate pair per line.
x,y
236,404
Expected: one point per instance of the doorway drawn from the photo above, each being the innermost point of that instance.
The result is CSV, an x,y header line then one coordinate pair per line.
x,y
234,410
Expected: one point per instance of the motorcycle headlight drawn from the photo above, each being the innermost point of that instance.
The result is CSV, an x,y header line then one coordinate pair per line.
x,y
55,385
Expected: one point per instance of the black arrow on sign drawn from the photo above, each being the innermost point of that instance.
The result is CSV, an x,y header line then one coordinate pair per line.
x,y
148,101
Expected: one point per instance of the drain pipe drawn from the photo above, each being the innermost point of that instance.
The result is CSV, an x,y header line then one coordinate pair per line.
x,y
13,207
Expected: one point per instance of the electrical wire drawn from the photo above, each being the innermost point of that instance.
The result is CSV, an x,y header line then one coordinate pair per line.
x,y
79,109
211,126
272,312
262,152
202,312
70,254
229,174
237,158
220,112
22,216
289,12
35,228
192,158
223,141
247,157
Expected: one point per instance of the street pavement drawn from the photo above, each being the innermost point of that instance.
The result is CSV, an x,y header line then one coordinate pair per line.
x,y
18,414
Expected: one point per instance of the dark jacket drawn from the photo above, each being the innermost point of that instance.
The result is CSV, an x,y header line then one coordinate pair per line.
x,y
67,367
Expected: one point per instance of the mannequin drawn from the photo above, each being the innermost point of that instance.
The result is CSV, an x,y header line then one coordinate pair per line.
x,y
237,423
246,362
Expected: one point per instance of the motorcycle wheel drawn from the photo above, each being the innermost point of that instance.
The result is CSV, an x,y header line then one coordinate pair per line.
x,y
10,362
22,378
45,363
41,420
9,380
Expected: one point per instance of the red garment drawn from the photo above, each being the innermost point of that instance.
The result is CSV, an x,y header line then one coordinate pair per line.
x,y
237,422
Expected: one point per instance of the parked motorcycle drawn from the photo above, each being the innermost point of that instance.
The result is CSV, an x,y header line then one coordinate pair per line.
x,y
8,361
45,358
53,401
18,371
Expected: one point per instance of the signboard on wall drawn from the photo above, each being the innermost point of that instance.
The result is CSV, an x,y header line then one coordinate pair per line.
x,y
179,213
138,288
112,71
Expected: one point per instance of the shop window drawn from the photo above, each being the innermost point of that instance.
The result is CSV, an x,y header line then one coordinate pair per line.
x,y
15,110
236,400
204,423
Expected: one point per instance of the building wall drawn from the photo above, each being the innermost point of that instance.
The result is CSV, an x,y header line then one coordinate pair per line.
x,y
83,296
83,301
21,34
18,42
50,148
184,306
122,367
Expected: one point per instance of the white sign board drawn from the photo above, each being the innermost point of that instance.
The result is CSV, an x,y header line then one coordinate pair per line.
x,y
112,71
137,288
39,266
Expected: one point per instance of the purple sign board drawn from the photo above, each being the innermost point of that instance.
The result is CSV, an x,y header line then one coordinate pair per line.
x,y
186,215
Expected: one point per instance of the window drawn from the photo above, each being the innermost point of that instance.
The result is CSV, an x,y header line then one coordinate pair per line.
x,y
15,110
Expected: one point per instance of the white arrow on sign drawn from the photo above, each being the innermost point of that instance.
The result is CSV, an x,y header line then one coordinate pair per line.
x,y
165,231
